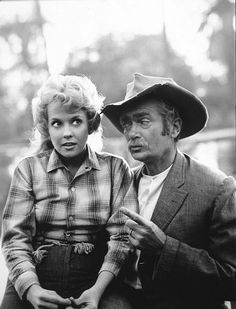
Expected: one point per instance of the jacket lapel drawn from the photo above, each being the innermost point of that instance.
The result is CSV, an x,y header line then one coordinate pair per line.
x,y
137,171
172,196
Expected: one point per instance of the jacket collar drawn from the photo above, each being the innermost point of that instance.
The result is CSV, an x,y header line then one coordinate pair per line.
x,y
172,195
177,170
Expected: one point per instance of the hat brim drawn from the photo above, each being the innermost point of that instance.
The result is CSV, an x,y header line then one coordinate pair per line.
x,y
192,111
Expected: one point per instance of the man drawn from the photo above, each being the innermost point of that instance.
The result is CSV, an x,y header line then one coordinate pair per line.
x,y
185,234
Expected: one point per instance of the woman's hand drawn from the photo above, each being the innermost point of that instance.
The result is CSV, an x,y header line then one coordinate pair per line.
x,y
42,298
89,299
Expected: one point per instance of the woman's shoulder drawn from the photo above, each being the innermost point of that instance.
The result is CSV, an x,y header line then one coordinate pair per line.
x,y
33,158
107,156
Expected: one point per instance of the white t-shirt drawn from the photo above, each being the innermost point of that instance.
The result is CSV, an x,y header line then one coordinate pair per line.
x,y
148,193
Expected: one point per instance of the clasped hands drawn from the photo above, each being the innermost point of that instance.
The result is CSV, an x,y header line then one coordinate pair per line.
x,y
86,300
144,234
42,298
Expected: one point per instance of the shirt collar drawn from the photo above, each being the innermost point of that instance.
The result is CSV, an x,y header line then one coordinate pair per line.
x,y
54,161
162,174
90,162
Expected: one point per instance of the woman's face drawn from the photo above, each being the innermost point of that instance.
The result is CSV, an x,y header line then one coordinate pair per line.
x,y
68,130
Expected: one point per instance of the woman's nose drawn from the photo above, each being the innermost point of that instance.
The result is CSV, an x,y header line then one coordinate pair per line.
x,y
67,131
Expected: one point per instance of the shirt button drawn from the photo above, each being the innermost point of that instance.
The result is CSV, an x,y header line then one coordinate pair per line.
x,y
71,218
67,234
73,189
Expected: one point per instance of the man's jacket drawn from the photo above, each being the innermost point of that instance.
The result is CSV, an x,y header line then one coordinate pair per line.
x,y
197,266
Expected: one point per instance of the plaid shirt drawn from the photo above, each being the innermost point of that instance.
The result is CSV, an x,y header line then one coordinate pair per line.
x,y
45,204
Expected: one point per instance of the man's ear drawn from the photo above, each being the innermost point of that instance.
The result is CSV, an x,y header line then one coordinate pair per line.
x,y
176,128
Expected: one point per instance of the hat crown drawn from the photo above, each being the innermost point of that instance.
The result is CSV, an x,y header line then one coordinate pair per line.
x,y
142,82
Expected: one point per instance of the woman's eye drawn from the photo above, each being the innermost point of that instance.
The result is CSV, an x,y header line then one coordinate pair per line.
x,y
55,124
77,122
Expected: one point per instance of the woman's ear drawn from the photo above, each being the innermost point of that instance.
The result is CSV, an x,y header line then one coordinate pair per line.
x,y
90,128
94,123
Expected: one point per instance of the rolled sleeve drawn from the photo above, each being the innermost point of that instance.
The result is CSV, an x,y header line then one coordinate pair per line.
x,y
18,228
123,194
24,281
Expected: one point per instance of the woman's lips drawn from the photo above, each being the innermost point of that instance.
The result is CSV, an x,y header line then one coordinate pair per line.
x,y
68,145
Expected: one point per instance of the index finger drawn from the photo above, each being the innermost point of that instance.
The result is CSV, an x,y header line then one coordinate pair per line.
x,y
133,216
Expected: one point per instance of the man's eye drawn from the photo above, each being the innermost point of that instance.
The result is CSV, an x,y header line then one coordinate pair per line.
x,y
144,123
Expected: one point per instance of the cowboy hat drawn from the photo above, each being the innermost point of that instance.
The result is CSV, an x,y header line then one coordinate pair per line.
x,y
192,111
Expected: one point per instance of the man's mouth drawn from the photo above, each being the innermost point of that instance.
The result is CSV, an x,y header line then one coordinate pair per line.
x,y
135,148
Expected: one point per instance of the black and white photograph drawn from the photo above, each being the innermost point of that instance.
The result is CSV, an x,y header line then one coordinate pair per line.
x,y
117,154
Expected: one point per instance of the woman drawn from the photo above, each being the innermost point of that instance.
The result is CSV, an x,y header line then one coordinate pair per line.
x,y
63,235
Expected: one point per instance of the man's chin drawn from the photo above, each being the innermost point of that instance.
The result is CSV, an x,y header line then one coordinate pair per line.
x,y
139,156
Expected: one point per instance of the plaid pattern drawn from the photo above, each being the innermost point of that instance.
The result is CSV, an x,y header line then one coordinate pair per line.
x,y
44,204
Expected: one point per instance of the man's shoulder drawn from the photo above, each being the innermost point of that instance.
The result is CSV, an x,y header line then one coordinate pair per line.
x,y
200,168
201,177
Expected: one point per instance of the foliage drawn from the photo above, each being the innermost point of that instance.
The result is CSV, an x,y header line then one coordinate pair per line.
x,y
24,67
23,43
217,22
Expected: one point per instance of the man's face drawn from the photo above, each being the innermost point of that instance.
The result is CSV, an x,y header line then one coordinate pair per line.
x,y
143,129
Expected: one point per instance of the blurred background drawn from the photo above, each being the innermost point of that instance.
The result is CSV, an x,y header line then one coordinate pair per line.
x,y
109,40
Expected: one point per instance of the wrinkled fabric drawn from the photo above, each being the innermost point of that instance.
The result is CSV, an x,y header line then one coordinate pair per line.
x,y
46,205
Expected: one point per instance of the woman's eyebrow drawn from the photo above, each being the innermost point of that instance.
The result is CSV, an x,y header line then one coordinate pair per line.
x,y
53,118
78,116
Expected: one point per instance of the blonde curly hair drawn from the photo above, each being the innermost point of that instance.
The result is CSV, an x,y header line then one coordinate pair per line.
x,y
74,92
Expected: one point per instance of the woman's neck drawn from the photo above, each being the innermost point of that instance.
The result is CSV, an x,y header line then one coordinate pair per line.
x,y
74,163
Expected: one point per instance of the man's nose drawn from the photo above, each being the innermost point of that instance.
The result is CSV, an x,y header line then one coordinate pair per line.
x,y
133,131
